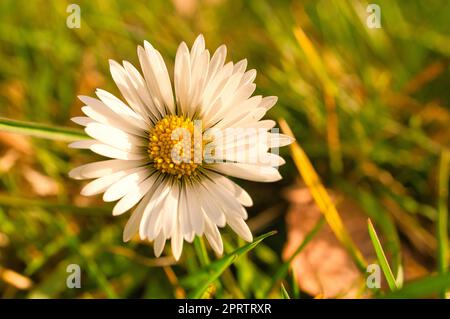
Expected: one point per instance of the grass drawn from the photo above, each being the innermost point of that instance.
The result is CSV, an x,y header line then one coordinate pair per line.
x,y
369,109
41,131
442,222
382,260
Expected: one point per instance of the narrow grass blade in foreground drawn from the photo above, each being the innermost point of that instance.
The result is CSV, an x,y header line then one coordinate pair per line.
x,y
284,293
322,199
442,222
199,245
41,130
205,277
382,257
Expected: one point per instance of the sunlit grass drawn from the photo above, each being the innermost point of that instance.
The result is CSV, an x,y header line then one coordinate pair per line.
x,y
369,108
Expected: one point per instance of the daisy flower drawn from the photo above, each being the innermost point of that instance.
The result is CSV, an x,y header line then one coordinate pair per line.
x,y
176,182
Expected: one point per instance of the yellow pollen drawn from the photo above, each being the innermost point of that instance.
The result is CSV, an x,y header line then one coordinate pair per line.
x,y
165,138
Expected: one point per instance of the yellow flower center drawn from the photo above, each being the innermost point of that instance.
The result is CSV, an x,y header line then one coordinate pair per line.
x,y
172,146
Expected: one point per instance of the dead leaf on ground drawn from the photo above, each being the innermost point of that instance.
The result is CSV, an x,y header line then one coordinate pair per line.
x,y
324,267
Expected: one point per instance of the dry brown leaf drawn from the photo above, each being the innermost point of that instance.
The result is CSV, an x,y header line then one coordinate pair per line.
x,y
324,267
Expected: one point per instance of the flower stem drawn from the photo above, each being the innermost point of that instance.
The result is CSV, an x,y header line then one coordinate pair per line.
x,y
41,130
200,248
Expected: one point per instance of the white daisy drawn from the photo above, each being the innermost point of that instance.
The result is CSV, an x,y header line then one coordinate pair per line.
x,y
179,199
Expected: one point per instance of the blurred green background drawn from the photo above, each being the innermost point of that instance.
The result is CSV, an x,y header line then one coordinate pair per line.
x,y
370,107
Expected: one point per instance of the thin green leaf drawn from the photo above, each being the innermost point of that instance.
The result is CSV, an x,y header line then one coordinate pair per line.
x,y
384,221
295,285
41,130
382,257
16,201
442,221
284,293
200,249
203,279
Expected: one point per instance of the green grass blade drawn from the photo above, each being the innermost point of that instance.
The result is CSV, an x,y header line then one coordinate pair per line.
x,y
442,221
17,201
382,257
41,130
284,293
199,245
203,279
295,285
422,288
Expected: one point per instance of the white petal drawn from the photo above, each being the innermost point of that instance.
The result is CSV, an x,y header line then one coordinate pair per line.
x,y
170,211
246,171
240,66
157,77
115,137
133,222
182,77
240,114
268,102
99,185
197,48
117,106
183,212
159,243
158,197
154,221
264,124
98,111
217,62
215,85
101,168
210,207
112,152
279,140
230,205
248,77
142,91
240,227
252,117
83,144
194,211
75,173
126,87
177,241
213,236
82,120
227,93
134,195
122,187
242,196
199,71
